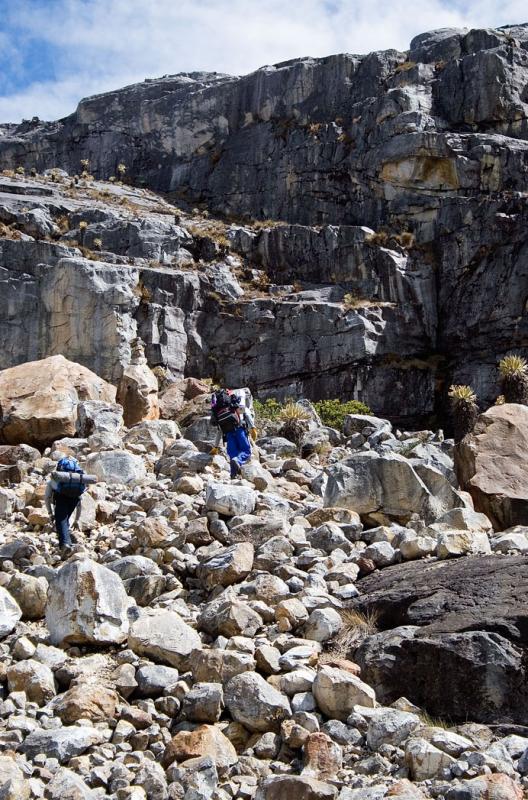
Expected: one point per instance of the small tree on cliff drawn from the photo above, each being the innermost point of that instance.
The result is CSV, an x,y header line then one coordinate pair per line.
x,y
464,410
514,379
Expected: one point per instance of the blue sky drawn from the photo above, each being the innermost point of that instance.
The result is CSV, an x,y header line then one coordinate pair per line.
x,y
54,52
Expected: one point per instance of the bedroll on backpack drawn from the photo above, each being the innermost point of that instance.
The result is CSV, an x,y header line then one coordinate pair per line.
x,y
72,484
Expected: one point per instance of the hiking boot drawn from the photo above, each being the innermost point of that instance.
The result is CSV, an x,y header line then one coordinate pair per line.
x,y
235,468
66,550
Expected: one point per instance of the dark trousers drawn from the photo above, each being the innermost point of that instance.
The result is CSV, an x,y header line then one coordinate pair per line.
x,y
64,508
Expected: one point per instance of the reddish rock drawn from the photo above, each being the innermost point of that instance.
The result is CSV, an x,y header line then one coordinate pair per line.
x,y
206,740
39,399
86,701
322,756
178,394
138,389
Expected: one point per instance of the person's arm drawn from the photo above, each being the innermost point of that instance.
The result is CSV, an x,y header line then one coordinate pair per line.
x,y
250,423
218,438
48,496
78,512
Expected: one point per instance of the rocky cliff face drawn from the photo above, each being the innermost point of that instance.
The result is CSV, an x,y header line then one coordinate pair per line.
x,y
427,149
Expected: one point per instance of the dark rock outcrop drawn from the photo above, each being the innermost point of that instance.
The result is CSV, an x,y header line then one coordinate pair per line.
x,y
453,636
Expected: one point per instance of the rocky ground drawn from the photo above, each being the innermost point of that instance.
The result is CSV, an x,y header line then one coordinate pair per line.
x,y
338,623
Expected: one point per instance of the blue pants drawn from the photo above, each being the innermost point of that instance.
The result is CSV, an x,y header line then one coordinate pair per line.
x,y
238,449
64,508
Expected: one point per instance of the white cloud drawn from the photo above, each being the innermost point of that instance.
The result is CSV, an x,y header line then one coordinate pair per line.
x,y
105,44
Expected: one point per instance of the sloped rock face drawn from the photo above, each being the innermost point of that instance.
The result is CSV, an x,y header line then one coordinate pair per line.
x,y
491,464
431,144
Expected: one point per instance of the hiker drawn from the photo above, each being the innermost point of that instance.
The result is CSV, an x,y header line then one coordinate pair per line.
x,y
231,413
63,495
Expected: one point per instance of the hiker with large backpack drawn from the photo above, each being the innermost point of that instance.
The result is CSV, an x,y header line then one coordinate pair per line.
x,y
231,413
63,496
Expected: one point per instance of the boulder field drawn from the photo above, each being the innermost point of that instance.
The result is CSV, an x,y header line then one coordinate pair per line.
x,y
338,622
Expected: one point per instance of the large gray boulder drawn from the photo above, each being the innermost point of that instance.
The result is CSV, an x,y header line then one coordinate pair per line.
x,y
87,604
165,637
227,566
116,466
386,486
255,703
61,743
229,499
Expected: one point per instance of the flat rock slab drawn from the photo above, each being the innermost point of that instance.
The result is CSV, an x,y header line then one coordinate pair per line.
x,y
473,593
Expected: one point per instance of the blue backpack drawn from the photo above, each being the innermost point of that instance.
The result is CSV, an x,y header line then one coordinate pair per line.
x,y
74,486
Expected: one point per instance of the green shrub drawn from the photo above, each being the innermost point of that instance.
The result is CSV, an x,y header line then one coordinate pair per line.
x,y
267,409
333,412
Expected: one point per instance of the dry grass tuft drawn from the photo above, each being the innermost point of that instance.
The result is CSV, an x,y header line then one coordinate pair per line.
x,y
433,722
357,626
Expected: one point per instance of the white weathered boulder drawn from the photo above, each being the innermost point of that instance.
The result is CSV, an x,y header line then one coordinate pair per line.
x,y
229,499
116,466
87,604
164,636
413,545
424,760
322,624
462,543
337,691
10,612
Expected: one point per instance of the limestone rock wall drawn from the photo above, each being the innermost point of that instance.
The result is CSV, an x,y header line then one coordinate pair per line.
x,y
395,262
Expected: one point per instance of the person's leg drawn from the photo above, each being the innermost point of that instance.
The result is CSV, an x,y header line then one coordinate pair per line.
x,y
64,508
238,450
244,446
232,452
